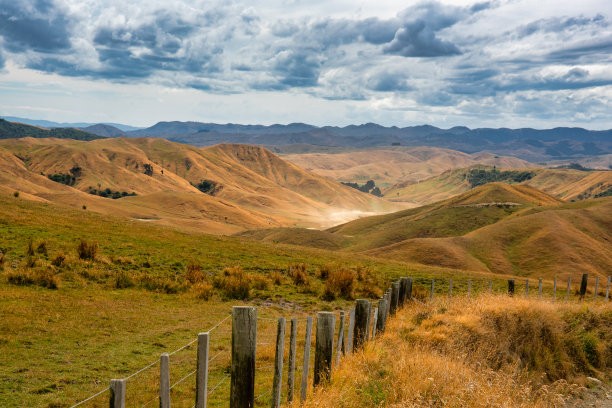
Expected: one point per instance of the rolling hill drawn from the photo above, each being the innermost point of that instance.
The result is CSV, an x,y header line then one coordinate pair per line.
x,y
566,184
10,130
496,227
396,164
220,189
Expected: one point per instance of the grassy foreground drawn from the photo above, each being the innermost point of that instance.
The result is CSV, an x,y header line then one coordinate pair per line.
x,y
67,328
483,352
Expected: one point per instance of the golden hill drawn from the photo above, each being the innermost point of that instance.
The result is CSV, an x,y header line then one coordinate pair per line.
x,y
542,242
391,165
499,228
253,187
566,184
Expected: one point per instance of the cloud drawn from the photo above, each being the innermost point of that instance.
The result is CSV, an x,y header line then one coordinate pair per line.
x,y
560,24
298,68
34,25
388,82
417,36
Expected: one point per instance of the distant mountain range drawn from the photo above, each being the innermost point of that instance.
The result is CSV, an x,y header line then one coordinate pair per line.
x,y
50,124
528,144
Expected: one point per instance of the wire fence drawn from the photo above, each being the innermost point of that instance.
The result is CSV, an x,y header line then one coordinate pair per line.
x,y
298,349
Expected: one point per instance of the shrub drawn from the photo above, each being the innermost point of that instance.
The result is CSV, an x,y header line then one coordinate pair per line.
x,y
260,282
87,250
30,249
44,278
340,282
84,207
122,281
21,278
47,279
16,194
193,273
42,248
30,262
324,271
234,283
276,277
203,290
299,274
59,259
159,284
2,260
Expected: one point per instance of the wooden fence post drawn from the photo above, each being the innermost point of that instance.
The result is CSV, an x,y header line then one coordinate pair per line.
x,y
368,334
202,370
277,383
351,328
450,288
539,288
402,291
409,289
387,311
380,321
244,347
306,364
569,284
608,288
511,287
432,290
340,338
117,394
596,287
394,298
164,381
375,318
583,285
469,288
526,287
292,346
555,289
324,346
362,311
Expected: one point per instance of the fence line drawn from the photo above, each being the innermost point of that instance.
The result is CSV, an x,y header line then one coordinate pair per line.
x,y
363,327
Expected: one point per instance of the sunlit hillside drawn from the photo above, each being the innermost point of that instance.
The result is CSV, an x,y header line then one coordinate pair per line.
x,y
220,189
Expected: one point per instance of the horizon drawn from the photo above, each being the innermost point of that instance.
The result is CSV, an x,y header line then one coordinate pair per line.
x,y
492,64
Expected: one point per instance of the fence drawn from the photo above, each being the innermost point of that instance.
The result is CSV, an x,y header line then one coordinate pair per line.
x,y
256,378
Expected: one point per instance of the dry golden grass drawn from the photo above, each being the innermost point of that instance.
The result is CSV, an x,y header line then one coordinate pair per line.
x,y
483,352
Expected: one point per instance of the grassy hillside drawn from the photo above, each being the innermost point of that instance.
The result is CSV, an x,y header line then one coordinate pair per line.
x,y
10,130
220,189
566,184
499,228
489,351
453,217
391,165
145,292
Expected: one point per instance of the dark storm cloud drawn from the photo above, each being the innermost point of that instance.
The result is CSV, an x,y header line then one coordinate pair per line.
x,y
33,25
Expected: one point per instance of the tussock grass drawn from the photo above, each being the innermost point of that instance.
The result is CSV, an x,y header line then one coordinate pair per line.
x,y
483,352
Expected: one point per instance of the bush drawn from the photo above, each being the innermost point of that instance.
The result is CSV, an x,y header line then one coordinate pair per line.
x,y
30,262
44,278
324,271
340,282
194,273
203,290
299,274
42,248
30,249
87,250
234,283
160,284
59,259
2,260
16,194
122,281
260,282
276,277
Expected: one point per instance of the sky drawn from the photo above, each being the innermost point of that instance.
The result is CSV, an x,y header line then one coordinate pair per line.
x,y
504,63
